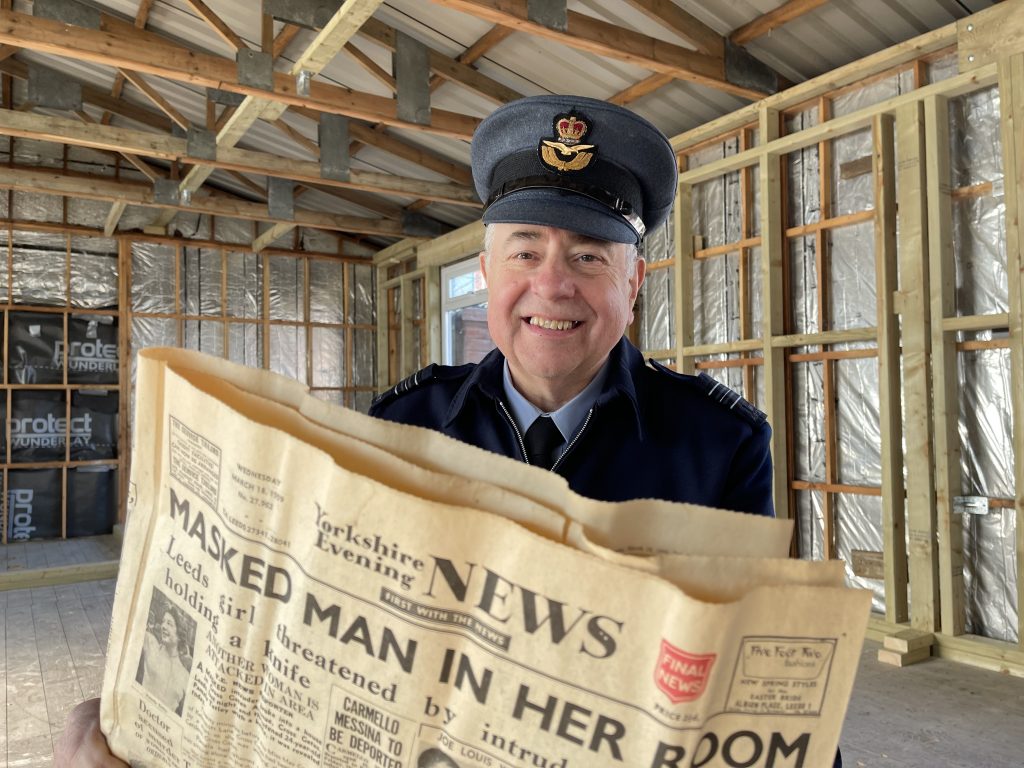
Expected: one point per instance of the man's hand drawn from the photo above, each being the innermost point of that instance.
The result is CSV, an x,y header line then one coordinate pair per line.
x,y
83,743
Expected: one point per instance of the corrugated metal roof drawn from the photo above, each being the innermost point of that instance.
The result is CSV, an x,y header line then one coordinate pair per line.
x,y
833,34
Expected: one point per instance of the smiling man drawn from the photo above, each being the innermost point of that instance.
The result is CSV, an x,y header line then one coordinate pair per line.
x,y
571,186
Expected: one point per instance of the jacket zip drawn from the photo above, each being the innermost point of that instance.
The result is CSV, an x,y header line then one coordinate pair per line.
x,y
522,445
573,442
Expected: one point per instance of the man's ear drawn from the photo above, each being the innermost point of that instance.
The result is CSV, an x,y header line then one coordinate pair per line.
x,y
483,264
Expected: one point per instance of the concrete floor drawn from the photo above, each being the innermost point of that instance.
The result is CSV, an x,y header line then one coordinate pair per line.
x,y
936,714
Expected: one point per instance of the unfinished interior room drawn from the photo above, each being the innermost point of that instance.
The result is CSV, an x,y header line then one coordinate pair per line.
x,y
287,185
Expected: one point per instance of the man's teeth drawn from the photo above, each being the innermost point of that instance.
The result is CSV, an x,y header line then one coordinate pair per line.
x,y
554,325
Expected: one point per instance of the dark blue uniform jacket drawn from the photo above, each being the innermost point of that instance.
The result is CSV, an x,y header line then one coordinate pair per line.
x,y
652,433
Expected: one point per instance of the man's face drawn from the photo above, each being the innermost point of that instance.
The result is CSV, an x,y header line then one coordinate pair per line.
x,y
557,304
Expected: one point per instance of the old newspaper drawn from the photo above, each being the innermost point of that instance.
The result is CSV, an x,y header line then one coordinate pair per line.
x,y
302,585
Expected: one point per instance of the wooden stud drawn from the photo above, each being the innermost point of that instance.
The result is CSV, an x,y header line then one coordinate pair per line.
x,y
683,284
889,413
916,342
824,300
945,410
773,312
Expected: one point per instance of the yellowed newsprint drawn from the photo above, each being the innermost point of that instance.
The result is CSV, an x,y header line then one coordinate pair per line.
x,y
302,585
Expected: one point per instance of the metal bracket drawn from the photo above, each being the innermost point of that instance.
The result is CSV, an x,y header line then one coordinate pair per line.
x,y
417,225
67,11
313,14
280,198
255,69
49,88
411,66
744,70
202,144
165,191
334,141
970,505
224,98
548,13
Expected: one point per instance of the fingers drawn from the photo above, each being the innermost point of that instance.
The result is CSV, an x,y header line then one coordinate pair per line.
x,y
82,745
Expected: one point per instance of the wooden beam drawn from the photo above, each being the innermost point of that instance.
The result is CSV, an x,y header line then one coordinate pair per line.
x,y
605,39
218,25
769,180
325,46
766,22
445,66
113,217
487,41
135,160
915,300
99,98
641,89
690,28
890,416
372,67
897,55
945,388
410,152
153,95
174,62
309,145
272,234
132,193
66,131
283,39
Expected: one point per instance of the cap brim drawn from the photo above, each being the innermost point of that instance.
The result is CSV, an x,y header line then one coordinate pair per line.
x,y
551,207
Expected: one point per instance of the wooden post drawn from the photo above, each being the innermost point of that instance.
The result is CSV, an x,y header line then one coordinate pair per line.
x,y
890,417
915,299
942,277
772,248
683,287
1011,99
383,331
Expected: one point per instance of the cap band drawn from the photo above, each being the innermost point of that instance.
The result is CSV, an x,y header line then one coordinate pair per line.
x,y
509,177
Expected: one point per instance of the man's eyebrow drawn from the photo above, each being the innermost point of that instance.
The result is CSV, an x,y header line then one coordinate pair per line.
x,y
587,240
525,234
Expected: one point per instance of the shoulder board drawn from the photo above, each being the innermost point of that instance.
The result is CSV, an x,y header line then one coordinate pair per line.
x,y
717,391
432,372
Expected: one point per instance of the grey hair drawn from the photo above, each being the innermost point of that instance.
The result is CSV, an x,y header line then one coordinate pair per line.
x,y
632,249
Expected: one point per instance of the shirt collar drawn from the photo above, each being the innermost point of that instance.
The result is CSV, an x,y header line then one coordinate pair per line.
x,y
486,378
568,418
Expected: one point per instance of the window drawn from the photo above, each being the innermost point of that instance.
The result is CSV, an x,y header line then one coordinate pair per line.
x,y
464,313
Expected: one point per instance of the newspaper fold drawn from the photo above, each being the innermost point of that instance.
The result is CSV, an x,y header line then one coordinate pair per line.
x,y
302,585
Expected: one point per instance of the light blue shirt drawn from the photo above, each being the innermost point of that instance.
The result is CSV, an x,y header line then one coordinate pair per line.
x,y
569,418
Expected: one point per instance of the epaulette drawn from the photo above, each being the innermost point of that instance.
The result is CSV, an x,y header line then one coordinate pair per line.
x,y
717,391
432,372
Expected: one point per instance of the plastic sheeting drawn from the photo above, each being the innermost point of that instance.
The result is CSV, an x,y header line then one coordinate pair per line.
x,y
981,284
985,422
657,318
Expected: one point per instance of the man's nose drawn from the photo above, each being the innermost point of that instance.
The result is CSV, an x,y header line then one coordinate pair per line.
x,y
554,279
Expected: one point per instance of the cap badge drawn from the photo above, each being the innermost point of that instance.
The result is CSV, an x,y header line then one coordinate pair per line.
x,y
567,152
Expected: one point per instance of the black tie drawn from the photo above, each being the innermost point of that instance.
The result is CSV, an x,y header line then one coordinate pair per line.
x,y
542,440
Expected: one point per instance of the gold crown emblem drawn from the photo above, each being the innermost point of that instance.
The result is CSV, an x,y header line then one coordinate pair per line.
x,y
567,153
571,130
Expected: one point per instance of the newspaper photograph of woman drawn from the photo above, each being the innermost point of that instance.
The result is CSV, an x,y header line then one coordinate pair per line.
x,y
166,659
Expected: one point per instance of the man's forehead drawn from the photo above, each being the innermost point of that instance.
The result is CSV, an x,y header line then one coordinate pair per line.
x,y
531,232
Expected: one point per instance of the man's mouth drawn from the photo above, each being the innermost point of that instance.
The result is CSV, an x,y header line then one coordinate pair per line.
x,y
554,325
